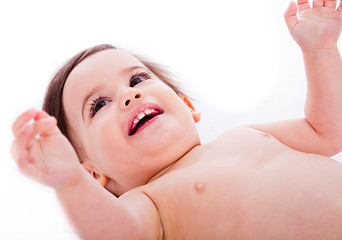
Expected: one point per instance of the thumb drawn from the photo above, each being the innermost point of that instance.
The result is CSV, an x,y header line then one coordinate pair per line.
x,y
52,130
290,16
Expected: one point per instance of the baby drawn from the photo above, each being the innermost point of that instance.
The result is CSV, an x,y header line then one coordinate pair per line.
x,y
134,131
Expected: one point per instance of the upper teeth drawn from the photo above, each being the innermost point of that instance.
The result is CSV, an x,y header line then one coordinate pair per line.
x,y
141,115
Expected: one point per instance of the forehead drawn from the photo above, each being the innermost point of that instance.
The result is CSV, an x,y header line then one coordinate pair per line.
x,y
107,63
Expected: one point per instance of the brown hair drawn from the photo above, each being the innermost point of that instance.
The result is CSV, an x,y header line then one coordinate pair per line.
x,y
53,103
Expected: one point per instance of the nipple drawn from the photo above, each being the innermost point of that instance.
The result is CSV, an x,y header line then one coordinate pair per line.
x,y
200,187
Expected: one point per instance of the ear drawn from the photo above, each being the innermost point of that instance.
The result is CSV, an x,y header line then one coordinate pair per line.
x,y
195,114
99,177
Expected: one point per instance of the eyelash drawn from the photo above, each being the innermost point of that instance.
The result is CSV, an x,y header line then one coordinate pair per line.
x,y
94,103
136,75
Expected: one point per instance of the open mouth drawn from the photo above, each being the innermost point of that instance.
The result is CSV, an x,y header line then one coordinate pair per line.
x,y
142,116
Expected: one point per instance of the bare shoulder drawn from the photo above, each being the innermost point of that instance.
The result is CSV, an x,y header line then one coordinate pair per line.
x,y
244,135
242,131
145,214
249,143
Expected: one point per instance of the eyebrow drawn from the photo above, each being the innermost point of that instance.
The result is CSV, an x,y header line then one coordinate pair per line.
x,y
132,68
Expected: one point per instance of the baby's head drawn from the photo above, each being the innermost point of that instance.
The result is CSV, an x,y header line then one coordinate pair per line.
x,y
125,116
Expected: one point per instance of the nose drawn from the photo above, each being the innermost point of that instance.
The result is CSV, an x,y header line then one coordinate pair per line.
x,y
129,96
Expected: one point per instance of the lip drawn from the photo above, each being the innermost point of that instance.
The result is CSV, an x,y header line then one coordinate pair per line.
x,y
138,110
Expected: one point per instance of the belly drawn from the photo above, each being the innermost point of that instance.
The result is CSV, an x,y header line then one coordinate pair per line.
x,y
291,196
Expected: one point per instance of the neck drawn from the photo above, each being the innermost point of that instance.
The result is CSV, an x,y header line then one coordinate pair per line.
x,y
174,165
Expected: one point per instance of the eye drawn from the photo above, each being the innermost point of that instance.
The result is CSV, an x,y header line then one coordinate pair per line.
x,y
138,78
97,104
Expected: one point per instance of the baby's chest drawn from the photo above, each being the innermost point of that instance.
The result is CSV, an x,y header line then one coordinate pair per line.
x,y
192,201
225,197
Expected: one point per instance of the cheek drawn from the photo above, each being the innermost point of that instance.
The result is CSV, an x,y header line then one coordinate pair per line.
x,y
111,152
107,139
101,139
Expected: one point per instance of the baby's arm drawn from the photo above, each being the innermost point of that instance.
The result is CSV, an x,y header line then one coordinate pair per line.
x,y
45,155
316,32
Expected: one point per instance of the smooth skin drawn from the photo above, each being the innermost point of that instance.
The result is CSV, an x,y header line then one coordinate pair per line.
x,y
265,181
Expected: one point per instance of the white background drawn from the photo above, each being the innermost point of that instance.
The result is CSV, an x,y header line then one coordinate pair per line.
x,y
235,58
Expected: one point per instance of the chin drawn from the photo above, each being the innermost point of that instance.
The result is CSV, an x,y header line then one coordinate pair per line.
x,y
174,144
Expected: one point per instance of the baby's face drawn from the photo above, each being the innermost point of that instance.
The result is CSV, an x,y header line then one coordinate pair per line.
x,y
129,122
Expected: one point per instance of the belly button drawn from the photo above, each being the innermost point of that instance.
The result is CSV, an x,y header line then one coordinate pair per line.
x,y
200,187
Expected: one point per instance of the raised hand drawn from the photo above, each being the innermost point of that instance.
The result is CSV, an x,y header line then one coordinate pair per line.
x,y
43,153
318,27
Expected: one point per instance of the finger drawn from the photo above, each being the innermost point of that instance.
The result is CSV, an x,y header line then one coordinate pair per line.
x,y
53,130
44,126
27,134
318,3
41,114
340,7
290,16
303,5
330,3
22,119
21,140
25,165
